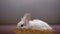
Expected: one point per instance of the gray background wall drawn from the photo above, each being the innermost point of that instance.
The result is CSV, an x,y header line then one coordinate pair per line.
x,y
12,10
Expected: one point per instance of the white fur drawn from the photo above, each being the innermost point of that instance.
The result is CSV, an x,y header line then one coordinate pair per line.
x,y
36,23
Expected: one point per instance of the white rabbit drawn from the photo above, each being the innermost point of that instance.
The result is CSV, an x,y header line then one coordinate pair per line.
x,y
36,23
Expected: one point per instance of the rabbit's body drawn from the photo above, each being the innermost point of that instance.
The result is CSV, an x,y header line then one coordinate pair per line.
x,y
36,23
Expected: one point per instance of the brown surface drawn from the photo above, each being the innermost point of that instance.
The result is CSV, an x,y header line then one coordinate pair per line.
x,y
32,31
9,29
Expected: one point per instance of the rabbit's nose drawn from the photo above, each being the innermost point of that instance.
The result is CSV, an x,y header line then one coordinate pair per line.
x,y
22,25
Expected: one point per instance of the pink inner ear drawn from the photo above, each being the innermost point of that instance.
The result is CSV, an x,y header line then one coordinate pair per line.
x,y
26,18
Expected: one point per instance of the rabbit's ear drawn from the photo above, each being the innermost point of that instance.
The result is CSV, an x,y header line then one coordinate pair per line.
x,y
27,17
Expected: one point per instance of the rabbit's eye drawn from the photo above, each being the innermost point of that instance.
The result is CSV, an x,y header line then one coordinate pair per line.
x,y
22,25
